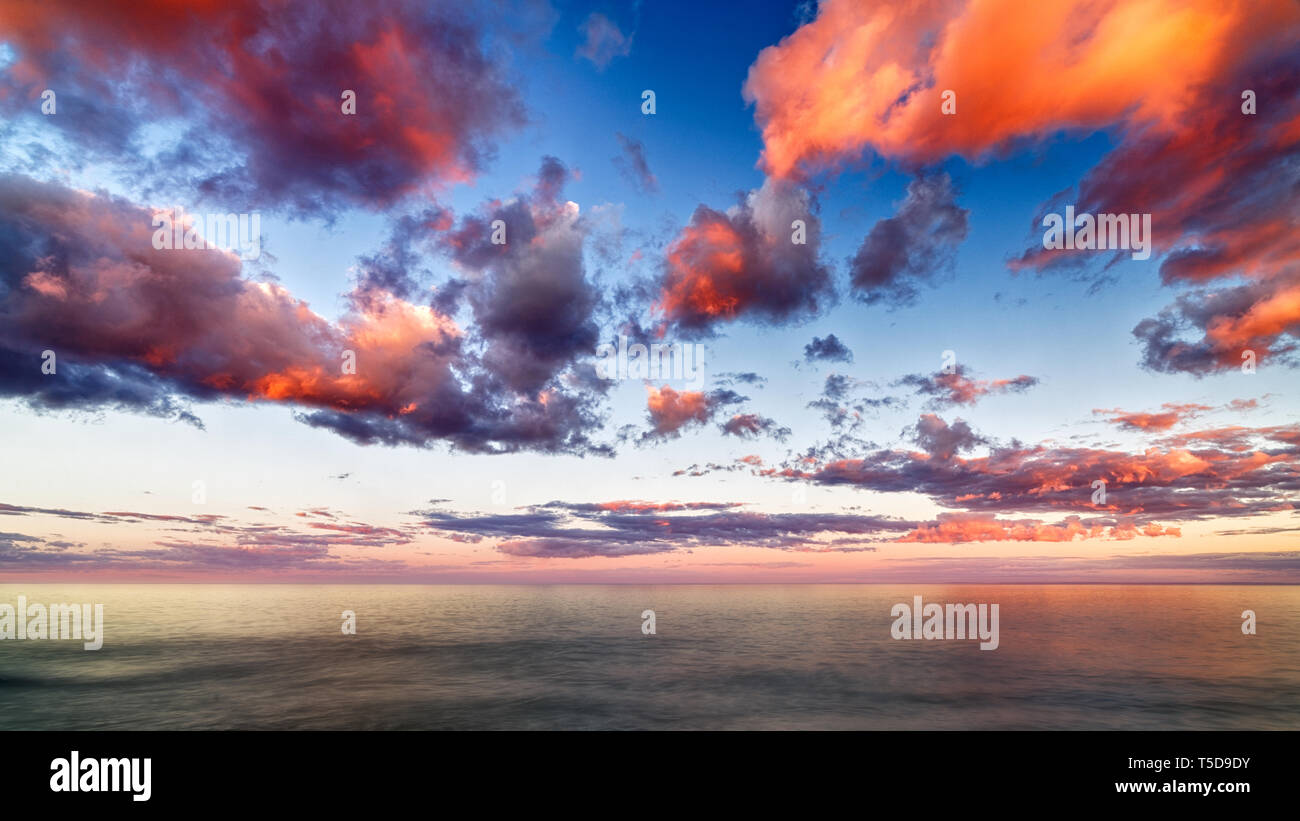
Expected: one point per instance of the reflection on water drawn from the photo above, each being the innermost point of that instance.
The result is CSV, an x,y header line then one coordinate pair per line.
x,y
723,657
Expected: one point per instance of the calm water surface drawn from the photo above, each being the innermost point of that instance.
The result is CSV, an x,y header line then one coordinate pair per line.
x,y
724,657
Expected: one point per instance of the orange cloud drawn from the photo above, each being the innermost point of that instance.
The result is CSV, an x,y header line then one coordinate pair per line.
x,y
708,271
1272,315
671,410
873,75
1174,413
952,528
629,506
742,262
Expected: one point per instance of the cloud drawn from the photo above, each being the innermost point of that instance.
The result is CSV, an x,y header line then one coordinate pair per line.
x,y
576,549
746,377
1220,187
559,530
602,41
911,248
210,543
670,410
531,298
846,414
395,270
188,558
633,506
830,349
1164,78
943,441
633,166
954,528
873,76
1262,318
22,510
148,330
1173,414
958,388
257,87
1255,531
1223,473
743,263
751,425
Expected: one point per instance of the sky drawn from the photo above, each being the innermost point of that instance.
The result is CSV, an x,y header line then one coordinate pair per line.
x,y
837,215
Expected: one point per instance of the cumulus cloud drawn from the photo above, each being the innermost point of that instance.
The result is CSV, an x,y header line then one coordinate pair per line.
x,y
259,85
1076,64
911,248
150,330
670,410
1165,77
531,298
830,349
743,263
1262,318
943,441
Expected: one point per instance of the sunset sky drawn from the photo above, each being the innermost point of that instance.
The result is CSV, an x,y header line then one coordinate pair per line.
x,y
199,424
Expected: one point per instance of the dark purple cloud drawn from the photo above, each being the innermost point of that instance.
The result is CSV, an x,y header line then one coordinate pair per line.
x,y
943,441
752,425
562,530
830,349
911,248
531,298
